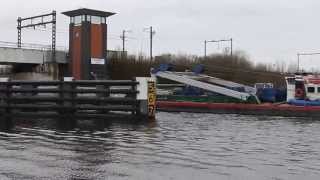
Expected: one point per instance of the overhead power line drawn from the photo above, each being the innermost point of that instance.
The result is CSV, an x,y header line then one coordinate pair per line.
x,y
217,41
124,37
305,54
152,33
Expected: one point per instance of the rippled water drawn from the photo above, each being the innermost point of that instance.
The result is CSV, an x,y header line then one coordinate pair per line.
x,y
175,146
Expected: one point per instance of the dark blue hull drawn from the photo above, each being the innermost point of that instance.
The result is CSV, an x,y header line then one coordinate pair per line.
x,y
304,103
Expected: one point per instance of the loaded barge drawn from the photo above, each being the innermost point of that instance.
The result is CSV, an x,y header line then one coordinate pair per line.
x,y
199,93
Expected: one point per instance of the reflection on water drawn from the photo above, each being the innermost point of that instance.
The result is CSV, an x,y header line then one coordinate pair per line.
x,y
176,146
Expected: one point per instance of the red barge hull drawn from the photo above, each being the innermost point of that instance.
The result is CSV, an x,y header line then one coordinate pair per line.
x,y
235,108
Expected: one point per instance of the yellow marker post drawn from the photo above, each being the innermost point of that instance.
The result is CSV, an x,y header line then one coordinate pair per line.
x,y
152,97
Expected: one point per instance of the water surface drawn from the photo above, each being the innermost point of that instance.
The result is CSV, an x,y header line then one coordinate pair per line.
x,y
175,146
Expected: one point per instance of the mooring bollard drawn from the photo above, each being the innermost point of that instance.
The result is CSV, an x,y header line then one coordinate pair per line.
x,y
6,122
146,97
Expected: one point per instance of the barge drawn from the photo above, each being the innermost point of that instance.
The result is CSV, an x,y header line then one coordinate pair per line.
x,y
199,93
267,109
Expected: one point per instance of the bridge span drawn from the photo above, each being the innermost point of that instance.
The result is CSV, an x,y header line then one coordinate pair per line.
x,y
11,55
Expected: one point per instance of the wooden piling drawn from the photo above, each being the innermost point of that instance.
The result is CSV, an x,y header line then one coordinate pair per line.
x,y
66,118
6,122
69,100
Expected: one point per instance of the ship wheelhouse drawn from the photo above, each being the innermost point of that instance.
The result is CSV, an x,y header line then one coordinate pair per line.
x,y
303,87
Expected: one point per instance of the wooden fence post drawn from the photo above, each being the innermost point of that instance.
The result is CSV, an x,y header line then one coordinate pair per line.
x,y
136,106
67,105
102,94
101,123
70,105
6,122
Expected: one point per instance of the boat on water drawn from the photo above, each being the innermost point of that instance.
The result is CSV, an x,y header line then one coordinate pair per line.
x,y
199,93
303,90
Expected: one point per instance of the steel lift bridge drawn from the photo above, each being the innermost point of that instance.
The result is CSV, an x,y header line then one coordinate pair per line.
x,y
210,84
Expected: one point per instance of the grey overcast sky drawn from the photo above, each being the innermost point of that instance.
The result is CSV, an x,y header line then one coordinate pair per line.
x,y
267,30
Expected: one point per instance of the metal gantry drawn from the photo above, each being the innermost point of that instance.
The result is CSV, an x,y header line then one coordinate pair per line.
x,y
40,20
216,41
305,54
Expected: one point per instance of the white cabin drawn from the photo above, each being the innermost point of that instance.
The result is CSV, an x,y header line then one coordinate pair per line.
x,y
291,87
311,87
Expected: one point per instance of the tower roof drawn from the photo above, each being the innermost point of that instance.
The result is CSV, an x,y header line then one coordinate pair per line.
x,y
85,11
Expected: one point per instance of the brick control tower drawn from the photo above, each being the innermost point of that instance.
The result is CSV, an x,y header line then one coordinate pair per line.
x,y
88,43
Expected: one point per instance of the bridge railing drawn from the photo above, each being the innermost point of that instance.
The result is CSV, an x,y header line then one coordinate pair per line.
x,y
31,46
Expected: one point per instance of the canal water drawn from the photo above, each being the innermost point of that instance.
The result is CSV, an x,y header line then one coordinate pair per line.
x,y
175,146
